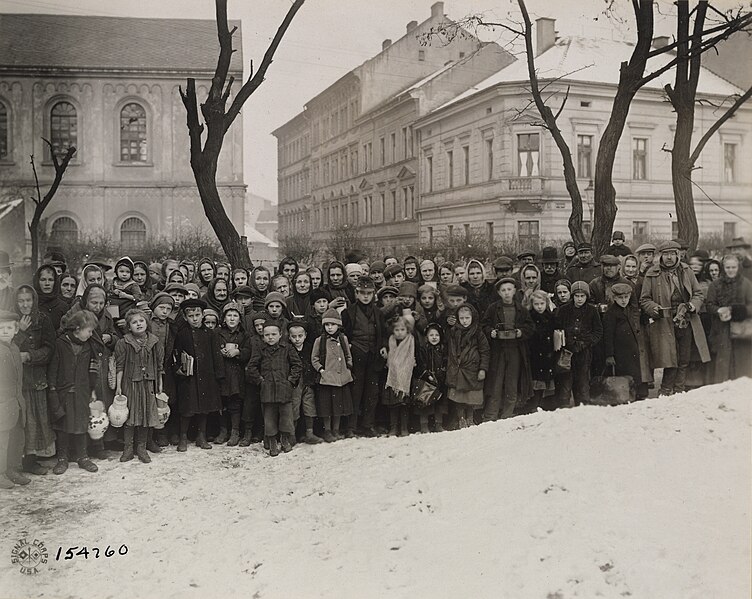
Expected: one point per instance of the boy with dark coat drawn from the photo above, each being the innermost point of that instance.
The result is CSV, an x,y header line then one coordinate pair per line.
x,y
303,393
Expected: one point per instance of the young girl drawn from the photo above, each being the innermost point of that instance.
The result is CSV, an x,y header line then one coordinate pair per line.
x,y
432,364
72,376
162,306
562,293
541,346
139,358
253,420
469,356
316,276
211,319
428,309
400,363
36,341
332,359
239,278
141,278
236,351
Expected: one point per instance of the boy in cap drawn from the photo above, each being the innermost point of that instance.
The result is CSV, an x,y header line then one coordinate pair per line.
x,y
645,256
456,297
12,404
394,275
618,247
386,298
274,305
303,393
252,415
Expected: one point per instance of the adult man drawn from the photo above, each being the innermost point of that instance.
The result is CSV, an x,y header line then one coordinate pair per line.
x,y
645,256
526,257
617,247
57,261
550,272
600,288
671,297
740,249
377,273
481,293
583,267
503,266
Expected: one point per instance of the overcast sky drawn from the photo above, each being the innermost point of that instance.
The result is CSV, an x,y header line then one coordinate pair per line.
x,y
327,39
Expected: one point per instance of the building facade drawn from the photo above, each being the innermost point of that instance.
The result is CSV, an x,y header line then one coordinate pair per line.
x,y
116,99
487,168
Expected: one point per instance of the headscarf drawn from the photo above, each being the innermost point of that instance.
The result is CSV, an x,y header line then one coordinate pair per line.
x,y
82,284
299,304
705,273
632,279
289,260
413,260
65,275
435,278
51,303
566,284
199,280
472,263
35,302
257,294
211,298
527,292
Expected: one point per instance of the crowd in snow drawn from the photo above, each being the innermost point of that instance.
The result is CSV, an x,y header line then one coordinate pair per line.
x,y
161,352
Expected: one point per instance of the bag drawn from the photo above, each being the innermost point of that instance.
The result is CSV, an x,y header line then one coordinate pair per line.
x,y
741,329
425,393
564,363
612,390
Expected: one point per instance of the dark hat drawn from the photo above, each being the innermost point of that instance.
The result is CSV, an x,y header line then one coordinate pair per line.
x,y
320,293
738,242
550,255
618,235
567,244
645,247
683,245
5,260
525,254
408,289
125,260
609,260
55,259
242,290
193,303
436,327
701,254
456,291
501,281
582,287
387,289
392,270
98,260
621,289
211,312
365,284
332,316
176,287
377,266
669,246
298,321
257,315
503,263
584,246
6,315
161,298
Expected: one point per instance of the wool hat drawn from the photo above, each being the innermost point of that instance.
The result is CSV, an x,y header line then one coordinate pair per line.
x,y
176,287
503,263
7,315
232,306
550,255
377,266
456,291
257,315
125,261
436,327
193,303
584,246
525,254
423,289
502,280
320,293
408,289
621,289
161,298
365,284
609,260
298,321
738,242
244,290
192,287
387,289
274,296
669,246
645,247
211,312
352,268
582,287
617,235
392,270
331,315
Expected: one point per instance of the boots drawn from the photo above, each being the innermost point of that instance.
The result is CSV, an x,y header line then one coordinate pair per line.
x,y
201,441
328,436
86,464
424,424
438,424
97,451
127,444
162,439
311,438
183,442
141,434
247,437
16,477
235,435
31,466
5,482
151,445
273,449
403,423
223,435
286,443
61,466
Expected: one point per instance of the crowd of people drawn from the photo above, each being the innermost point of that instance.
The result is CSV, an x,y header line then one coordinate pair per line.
x,y
202,350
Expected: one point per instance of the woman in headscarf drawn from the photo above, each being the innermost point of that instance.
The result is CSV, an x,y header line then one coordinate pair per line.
x,y
288,267
217,295
412,270
48,300
90,275
205,273
299,303
141,278
239,278
68,286
337,285
446,275
530,277
259,283
428,272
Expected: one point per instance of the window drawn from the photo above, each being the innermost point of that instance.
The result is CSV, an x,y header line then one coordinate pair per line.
x,y
3,131
365,158
63,127
393,139
382,206
640,231
585,156
421,55
354,212
405,209
640,158
430,235
429,174
382,151
729,162
64,229
133,233
466,164
466,226
528,149
450,232
489,159
528,233
729,231
450,168
490,233
354,162
404,142
394,204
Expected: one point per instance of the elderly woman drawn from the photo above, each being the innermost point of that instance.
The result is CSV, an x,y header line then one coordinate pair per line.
x,y
729,303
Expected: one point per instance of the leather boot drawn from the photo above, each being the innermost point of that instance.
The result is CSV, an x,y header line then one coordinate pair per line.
x,y
151,445
183,442
16,477
247,437
273,449
31,466
61,466
201,441
143,455
127,444
97,450
223,435
86,464
235,435
286,444
162,438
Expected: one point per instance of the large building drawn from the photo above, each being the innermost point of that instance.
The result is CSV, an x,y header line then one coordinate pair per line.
x,y
350,158
109,87
488,168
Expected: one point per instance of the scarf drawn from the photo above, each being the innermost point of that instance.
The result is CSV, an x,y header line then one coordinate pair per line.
x,y
728,290
401,362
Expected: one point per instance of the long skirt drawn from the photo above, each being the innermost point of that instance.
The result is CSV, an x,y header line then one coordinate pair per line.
x,y
470,398
142,403
40,438
334,401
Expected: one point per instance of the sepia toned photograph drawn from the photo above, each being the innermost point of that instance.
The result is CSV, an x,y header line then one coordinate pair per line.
x,y
375,299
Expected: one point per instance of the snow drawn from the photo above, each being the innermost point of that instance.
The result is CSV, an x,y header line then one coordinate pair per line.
x,y
646,500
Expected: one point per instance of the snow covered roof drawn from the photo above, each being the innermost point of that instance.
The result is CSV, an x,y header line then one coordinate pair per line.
x,y
255,236
589,60
7,207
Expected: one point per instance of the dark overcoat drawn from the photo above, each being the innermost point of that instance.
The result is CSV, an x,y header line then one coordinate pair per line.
x,y
624,340
199,393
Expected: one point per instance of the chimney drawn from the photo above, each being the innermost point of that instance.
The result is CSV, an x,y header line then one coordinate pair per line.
x,y
385,44
545,34
661,41
437,10
411,25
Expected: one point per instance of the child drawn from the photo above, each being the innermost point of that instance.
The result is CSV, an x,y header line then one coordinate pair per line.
x,y
581,324
236,351
432,364
387,297
36,341
624,343
275,307
254,325
72,377
199,366
302,393
400,363
507,323
332,359
319,306
139,357
239,278
428,309
468,359
211,318
276,368
541,348
456,297
124,291
162,306
12,404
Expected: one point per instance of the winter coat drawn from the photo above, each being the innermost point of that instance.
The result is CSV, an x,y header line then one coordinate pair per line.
x,y
583,272
39,341
731,357
618,250
600,290
541,344
12,402
137,362
350,317
338,362
656,293
548,282
469,353
276,369
71,376
199,393
582,326
432,359
481,297
51,304
625,341
308,377
233,382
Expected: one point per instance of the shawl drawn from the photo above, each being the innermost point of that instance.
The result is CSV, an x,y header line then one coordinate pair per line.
x,y
728,290
400,362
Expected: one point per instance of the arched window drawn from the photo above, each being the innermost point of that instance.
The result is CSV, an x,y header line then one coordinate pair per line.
x,y
132,233
63,127
3,131
64,229
133,133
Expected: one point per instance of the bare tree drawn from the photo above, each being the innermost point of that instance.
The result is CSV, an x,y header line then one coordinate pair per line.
x,y
41,203
344,240
218,119
300,246
683,97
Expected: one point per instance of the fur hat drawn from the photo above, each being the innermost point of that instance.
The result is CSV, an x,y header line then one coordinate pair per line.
x,y
331,315
581,287
194,303
320,293
617,235
232,306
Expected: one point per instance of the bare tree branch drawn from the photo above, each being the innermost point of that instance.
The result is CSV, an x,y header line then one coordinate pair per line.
x,y
717,125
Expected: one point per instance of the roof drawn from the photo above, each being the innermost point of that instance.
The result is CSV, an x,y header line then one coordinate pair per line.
x,y
585,60
722,61
254,236
112,43
7,207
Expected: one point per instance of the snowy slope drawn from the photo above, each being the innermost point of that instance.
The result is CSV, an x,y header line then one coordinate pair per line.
x,y
648,500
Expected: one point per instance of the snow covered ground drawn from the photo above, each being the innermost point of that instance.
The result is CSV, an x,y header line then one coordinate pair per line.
x,y
648,500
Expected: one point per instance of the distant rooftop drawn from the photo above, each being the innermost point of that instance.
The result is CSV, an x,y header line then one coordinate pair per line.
x,y
70,42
